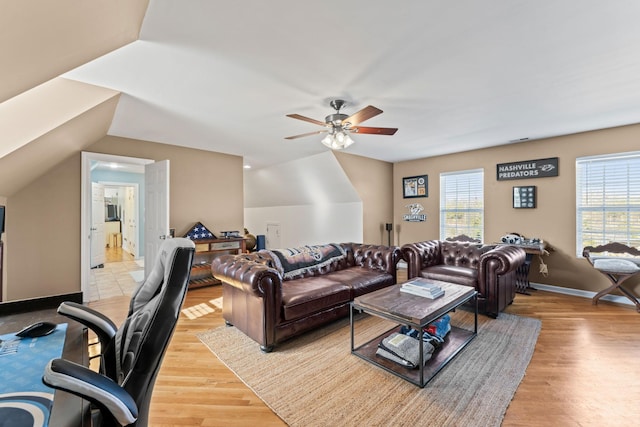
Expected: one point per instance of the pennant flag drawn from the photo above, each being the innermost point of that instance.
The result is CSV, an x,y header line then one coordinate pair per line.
x,y
199,232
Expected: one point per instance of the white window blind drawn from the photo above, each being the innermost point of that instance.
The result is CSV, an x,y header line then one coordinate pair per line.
x,y
462,204
608,200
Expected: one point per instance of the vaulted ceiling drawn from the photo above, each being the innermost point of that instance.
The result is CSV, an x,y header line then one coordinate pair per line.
x,y
221,76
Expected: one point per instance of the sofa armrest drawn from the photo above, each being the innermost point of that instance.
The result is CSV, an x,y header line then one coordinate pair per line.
x,y
377,257
501,260
247,275
420,255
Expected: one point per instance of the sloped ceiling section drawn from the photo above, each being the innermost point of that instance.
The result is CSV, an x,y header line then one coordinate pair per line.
x,y
44,118
313,180
40,40
44,108
48,124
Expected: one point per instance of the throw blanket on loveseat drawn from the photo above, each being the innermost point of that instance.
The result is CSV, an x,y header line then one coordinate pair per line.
x,y
293,262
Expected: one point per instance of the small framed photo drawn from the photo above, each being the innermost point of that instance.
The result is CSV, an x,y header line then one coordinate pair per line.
x,y
524,197
415,186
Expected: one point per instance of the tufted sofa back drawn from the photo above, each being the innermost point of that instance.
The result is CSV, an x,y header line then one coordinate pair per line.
x,y
461,254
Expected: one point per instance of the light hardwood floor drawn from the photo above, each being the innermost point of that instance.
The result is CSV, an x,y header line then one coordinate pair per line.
x,y
585,370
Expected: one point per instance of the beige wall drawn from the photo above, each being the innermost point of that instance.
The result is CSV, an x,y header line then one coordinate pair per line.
x,y
554,218
205,186
373,180
43,254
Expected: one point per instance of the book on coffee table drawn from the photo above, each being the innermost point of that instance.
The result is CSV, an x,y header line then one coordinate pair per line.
x,y
422,287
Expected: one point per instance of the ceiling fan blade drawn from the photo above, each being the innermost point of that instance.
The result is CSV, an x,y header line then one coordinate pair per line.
x,y
365,114
306,134
306,119
375,131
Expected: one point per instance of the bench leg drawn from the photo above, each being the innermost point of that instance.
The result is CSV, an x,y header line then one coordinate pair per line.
x,y
616,284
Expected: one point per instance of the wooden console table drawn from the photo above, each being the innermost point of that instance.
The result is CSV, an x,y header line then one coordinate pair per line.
x,y
206,250
522,273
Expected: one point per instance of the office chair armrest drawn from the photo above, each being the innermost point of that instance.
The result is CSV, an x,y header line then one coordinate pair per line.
x,y
97,322
81,381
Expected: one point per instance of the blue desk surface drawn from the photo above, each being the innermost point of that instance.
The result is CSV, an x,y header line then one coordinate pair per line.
x,y
24,399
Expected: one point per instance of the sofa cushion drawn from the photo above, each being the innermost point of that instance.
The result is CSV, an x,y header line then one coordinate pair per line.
x,y
450,273
362,280
302,297
616,265
293,263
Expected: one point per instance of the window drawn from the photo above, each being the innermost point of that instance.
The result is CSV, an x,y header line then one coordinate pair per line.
x,y
462,204
608,200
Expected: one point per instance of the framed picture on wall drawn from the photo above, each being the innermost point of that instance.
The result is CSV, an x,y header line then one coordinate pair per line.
x,y
524,197
415,186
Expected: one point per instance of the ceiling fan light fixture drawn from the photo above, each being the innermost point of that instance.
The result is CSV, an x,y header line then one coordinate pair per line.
x,y
340,125
327,140
338,140
347,141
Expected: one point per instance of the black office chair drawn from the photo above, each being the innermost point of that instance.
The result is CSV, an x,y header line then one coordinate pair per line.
x,y
131,355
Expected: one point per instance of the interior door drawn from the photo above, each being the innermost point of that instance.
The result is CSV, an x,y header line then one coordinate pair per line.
x,y
156,210
129,227
97,236
273,235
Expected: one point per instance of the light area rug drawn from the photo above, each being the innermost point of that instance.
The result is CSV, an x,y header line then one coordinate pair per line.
x,y
314,380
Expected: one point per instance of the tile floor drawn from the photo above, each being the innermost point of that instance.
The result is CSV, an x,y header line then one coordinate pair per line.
x,y
115,279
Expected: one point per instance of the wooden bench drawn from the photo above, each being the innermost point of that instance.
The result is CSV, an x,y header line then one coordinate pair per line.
x,y
624,265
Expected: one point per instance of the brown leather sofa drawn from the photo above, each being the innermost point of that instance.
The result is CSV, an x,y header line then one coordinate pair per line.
x,y
270,306
491,270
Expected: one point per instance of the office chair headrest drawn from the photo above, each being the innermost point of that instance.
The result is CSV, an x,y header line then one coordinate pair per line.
x,y
159,273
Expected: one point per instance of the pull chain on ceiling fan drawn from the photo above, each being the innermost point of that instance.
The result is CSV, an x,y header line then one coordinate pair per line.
x,y
339,125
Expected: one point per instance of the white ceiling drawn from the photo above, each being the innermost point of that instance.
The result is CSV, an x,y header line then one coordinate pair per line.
x,y
452,76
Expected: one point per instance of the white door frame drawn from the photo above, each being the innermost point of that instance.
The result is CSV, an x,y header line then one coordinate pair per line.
x,y
85,214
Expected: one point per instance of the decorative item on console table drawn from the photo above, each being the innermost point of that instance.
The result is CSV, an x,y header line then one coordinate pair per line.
x,y
207,248
250,240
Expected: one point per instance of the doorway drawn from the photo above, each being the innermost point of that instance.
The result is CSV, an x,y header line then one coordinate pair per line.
x,y
122,268
273,235
122,216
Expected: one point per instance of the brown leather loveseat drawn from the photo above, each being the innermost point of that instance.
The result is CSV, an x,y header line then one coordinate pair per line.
x,y
273,295
491,270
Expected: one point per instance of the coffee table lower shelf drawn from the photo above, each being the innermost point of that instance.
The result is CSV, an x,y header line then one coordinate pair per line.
x,y
456,340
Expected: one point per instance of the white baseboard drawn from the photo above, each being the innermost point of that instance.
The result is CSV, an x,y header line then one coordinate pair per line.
x,y
580,293
567,291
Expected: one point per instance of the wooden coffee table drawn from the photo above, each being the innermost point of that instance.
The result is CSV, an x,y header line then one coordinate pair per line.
x,y
417,312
